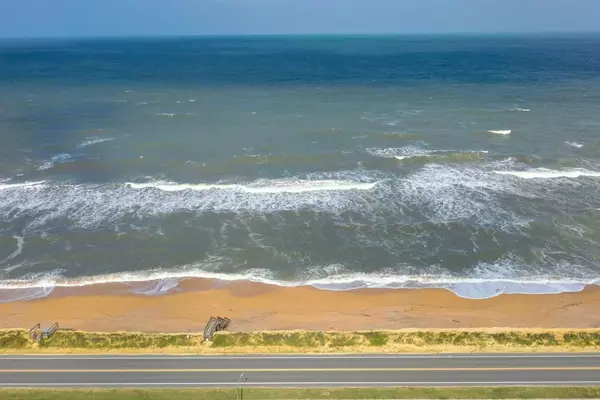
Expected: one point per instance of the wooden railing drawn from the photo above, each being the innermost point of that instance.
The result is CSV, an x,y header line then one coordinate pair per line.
x,y
215,324
34,333
37,333
46,333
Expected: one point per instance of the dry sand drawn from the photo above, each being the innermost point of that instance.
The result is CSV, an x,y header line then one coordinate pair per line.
x,y
253,306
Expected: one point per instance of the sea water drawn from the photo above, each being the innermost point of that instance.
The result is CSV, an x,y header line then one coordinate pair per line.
x,y
468,163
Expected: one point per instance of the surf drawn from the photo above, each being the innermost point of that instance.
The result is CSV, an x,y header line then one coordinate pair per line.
x,y
282,186
158,282
544,173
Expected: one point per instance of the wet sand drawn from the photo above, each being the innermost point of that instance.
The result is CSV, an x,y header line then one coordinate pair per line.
x,y
254,306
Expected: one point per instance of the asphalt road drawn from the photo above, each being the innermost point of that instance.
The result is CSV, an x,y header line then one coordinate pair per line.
x,y
301,371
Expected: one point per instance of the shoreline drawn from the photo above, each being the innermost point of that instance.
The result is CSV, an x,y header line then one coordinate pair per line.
x,y
261,307
157,282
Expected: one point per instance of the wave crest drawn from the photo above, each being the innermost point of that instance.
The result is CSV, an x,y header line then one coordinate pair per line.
x,y
544,173
264,186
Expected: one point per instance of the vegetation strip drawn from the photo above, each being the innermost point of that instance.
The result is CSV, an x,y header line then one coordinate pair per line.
x,y
317,394
17,341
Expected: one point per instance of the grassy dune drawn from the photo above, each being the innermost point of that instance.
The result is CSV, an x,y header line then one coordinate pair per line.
x,y
409,341
338,393
315,342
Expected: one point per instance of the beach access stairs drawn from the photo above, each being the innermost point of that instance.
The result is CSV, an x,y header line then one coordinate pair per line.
x,y
37,333
215,324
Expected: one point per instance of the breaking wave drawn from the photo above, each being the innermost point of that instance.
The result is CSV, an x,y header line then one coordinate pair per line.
x,y
91,205
574,144
24,185
264,186
441,193
501,132
544,173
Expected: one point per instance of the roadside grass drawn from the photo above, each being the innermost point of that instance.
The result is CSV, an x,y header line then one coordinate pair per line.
x,y
436,340
78,340
316,394
525,340
119,340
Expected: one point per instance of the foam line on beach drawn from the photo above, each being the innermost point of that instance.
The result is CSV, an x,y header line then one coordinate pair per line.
x,y
158,282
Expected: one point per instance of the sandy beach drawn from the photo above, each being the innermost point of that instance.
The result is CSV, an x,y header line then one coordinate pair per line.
x,y
253,306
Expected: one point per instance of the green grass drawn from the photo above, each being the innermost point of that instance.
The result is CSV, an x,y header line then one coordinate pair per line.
x,y
477,339
19,340
338,393
120,340
14,340
299,341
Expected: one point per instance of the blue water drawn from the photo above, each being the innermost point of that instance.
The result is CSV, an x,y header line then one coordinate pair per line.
x,y
470,163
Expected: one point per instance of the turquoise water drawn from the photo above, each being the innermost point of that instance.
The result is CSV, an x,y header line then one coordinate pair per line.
x,y
470,163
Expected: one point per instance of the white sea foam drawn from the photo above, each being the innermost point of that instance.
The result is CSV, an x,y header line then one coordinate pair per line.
x,y
407,152
88,205
25,294
501,132
400,153
574,144
23,185
445,193
160,282
442,192
94,140
20,242
59,158
544,173
264,186
155,288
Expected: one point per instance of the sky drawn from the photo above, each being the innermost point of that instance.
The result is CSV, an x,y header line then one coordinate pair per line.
x,y
85,18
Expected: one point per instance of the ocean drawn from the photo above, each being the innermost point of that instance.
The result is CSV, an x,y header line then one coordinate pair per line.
x,y
470,163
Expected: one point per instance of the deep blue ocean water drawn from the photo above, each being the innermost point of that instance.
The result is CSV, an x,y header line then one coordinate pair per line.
x,y
471,163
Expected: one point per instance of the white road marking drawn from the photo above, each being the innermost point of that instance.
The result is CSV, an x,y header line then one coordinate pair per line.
x,y
310,384
289,357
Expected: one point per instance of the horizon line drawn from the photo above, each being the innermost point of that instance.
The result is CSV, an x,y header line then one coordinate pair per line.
x,y
283,35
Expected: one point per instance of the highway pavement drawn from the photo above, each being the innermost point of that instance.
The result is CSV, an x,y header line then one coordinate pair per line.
x,y
368,370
